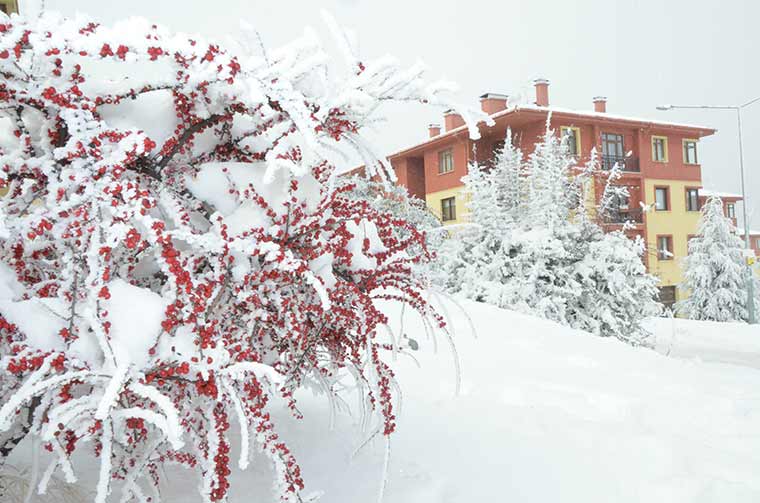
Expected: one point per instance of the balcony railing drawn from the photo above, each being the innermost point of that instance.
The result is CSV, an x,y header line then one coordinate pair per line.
x,y
626,163
622,216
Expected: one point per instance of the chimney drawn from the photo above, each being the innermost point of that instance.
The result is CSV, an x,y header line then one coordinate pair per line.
x,y
600,104
491,103
452,120
434,130
542,92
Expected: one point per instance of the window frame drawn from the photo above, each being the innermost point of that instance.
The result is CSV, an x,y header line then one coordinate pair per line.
x,y
671,289
685,142
10,6
453,209
447,152
696,199
730,210
666,188
669,240
577,137
664,148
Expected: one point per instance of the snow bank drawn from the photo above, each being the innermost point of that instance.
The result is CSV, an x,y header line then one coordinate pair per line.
x,y
710,341
545,414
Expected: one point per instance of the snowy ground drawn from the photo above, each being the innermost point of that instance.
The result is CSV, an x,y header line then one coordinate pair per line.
x,y
736,343
546,414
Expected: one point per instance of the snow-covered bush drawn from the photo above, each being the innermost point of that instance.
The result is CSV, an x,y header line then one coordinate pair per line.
x,y
534,245
174,254
396,200
715,275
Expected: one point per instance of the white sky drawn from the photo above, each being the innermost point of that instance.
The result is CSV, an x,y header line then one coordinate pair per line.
x,y
638,53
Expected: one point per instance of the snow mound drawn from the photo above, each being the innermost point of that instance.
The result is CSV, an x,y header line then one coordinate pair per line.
x,y
546,413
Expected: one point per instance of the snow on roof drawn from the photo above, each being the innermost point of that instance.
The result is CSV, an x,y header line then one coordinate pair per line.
x,y
715,193
605,115
536,108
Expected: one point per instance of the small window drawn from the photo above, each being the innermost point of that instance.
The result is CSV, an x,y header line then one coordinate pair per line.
x,y
659,149
661,199
667,296
445,162
572,137
665,247
448,209
757,243
692,199
731,210
8,6
690,152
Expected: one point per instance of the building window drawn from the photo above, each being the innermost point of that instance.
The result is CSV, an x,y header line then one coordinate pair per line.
x,y
690,152
668,296
731,210
9,6
665,247
448,209
757,243
572,137
613,151
661,199
445,162
659,149
692,199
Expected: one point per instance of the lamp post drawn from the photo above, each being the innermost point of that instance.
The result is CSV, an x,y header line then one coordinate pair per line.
x,y
738,110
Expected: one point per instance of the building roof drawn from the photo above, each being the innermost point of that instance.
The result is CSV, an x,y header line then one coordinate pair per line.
x,y
516,110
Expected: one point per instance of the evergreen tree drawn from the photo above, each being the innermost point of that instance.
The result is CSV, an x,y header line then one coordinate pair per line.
x,y
714,271
533,247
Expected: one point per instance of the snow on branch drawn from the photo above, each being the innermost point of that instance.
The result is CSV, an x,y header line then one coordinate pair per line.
x,y
173,247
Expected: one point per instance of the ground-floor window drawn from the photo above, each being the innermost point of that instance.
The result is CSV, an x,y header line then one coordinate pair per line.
x,y
448,209
668,296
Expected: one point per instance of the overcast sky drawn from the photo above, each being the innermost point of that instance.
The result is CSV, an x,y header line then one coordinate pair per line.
x,y
638,53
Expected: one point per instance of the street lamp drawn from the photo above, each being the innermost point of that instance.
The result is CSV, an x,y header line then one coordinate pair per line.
x,y
738,110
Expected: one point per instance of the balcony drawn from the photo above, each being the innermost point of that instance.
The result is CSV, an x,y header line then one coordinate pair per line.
x,y
621,216
629,164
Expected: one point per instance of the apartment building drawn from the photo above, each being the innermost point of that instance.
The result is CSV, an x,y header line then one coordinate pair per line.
x,y
660,160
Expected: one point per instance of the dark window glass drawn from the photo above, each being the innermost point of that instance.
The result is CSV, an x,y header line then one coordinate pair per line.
x,y
448,209
664,247
658,149
612,145
661,199
571,140
690,152
692,200
445,162
668,295
731,210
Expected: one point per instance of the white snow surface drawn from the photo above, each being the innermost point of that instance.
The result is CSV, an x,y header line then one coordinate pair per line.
x,y
546,413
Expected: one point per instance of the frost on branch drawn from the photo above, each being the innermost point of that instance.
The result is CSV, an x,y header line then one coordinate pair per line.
x,y
536,245
174,253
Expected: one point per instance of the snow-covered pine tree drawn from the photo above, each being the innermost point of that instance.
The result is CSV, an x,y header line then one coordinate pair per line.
x,y
540,252
715,280
174,253
491,196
